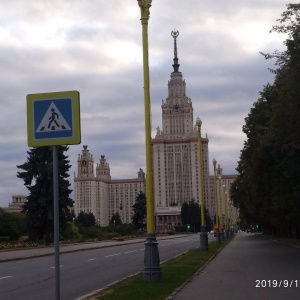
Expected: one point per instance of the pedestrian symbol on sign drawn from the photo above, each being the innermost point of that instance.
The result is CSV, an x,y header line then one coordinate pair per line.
x,y
53,120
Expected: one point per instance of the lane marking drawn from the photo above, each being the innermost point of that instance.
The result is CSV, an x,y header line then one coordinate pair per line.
x,y
90,259
113,255
5,277
130,251
59,266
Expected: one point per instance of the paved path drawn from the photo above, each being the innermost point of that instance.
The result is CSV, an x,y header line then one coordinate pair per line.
x,y
249,267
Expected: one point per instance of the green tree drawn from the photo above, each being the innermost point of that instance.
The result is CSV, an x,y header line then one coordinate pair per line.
x,y
194,215
251,190
72,232
37,175
285,126
185,213
12,224
267,190
191,215
115,220
208,220
139,211
86,219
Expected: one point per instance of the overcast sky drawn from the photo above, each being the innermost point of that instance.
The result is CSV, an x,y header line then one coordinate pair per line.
x,y
95,47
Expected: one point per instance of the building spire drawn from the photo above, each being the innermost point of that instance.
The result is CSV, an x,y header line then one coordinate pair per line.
x,y
175,34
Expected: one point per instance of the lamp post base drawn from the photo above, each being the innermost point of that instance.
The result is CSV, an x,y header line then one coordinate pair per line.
x,y
222,235
218,238
203,239
152,271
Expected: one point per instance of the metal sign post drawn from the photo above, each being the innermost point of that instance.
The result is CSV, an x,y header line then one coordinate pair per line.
x,y
56,221
54,119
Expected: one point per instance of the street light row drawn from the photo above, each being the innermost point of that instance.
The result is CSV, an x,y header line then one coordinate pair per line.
x,y
222,198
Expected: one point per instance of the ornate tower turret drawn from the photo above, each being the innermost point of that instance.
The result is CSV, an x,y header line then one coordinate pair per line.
x,y
103,169
85,163
141,174
177,110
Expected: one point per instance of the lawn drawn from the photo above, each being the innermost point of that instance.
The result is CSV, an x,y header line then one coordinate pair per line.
x,y
175,273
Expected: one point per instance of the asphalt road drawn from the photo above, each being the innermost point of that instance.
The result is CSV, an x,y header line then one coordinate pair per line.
x,y
250,267
81,272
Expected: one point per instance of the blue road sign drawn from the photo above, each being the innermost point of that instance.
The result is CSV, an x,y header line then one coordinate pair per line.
x,y
53,119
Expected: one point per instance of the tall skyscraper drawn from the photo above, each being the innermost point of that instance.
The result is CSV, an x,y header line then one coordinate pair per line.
x,y
175,168
175,153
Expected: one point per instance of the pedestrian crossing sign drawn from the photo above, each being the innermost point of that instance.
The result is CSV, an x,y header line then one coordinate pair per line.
x,y
53,119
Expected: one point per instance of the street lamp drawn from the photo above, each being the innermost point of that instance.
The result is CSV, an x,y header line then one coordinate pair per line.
x,y
221,207
203,233
152,271
230,218
226,214
216,202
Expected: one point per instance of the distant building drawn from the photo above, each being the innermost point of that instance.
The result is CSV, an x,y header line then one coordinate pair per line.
x,y
175,168
16,204
101,195
175,154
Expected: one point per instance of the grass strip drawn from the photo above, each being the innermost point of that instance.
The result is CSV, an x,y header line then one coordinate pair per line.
x,y
175,272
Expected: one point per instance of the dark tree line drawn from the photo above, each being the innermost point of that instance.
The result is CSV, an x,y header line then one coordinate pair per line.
x,y
86,219
115,220
191,215
267,190
139,211
12,225
37,174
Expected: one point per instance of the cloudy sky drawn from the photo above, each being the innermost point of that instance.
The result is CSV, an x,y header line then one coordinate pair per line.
x,y
95,47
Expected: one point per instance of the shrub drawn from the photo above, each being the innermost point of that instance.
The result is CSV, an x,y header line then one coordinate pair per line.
x,y
72,232
4,238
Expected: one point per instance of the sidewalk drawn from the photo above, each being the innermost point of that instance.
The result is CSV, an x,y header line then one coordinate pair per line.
x,y
249,267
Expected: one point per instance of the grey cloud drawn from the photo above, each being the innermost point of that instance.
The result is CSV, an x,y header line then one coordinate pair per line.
x,y
223,78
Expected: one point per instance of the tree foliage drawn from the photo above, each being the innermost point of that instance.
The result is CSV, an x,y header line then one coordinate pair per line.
x,y
72,233
267,190
12,225
86,219
139,211
37,175
115,220
191,215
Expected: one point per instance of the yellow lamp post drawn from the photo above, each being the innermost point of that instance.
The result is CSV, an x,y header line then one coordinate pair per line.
x,y
216,202
224,216
221,207
203,233
226,212
230,217
152,271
